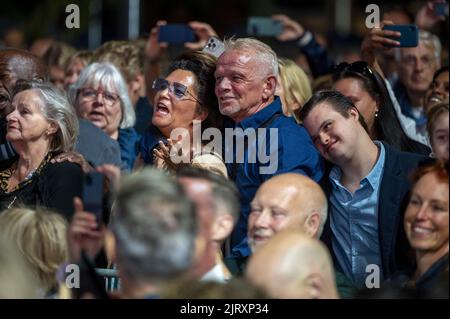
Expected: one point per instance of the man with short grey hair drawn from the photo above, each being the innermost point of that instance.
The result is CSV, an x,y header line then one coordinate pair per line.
x,y
154,227
416,67
246,78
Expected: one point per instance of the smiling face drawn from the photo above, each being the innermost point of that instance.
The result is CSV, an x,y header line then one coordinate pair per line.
x,y
273,211
333,135
438,91
439,136
169,111
426,217
366,105
241,87
102,109
26,122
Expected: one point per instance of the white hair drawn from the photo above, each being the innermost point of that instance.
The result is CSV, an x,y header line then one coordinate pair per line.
x,y
262,51
428,39
57,109
107,76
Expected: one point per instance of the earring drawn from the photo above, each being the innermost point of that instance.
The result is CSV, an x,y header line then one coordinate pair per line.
x,y
376,114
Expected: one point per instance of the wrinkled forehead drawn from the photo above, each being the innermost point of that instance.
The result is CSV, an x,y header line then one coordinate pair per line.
x,y
101,82
8,77
236,58
277,193
14,67
424,48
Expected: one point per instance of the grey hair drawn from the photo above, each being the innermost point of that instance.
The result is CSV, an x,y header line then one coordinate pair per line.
x,y
155,227
263,52
107,76
430,40
56,109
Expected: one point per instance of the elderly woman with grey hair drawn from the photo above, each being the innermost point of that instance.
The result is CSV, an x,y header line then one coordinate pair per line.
x,y
100,95
42,125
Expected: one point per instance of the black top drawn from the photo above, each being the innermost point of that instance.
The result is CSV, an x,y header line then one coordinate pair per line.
x,y
53,185
432,284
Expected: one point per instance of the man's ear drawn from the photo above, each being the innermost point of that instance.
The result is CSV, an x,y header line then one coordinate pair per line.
x,y
314,285
270,86
354,113
222,227
312,223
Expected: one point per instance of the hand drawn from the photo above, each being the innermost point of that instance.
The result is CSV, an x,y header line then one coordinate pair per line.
x,y
74,157
164,154
155,49
203,31
426,18
112,172
377,38
292,30
83,233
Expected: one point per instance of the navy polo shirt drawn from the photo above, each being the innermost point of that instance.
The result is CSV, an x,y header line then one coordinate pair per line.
x,y
290,149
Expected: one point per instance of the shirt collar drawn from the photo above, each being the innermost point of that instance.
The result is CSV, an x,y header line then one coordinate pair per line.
x,y
377,171
257,119
374,176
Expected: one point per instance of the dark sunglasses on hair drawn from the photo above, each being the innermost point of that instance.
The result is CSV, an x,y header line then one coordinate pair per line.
x,y
360,67
178,90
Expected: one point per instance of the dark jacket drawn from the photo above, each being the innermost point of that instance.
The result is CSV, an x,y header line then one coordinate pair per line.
x,y
53,187
129,142
393,196
97,147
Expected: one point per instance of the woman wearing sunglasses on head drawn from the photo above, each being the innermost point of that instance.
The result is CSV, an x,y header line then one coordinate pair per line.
x,y
185,95
367,90
100,96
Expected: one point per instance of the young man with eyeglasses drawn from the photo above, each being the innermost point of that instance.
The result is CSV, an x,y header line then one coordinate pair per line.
x,y
366,187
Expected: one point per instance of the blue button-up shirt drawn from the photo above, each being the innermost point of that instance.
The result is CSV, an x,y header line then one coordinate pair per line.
x,y
290,149
354,222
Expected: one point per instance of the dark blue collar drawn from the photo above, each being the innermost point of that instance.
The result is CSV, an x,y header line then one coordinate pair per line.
x,y
257,119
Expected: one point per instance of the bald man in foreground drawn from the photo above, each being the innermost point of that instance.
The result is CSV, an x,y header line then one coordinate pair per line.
x,y
289,201
293,266
286,201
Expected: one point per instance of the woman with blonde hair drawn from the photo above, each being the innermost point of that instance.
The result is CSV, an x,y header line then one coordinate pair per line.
x,y
40,236
293,87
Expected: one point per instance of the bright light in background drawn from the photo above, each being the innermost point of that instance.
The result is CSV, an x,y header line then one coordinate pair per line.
x,y
133,19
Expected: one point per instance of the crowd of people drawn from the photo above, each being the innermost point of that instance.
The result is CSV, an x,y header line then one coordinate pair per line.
x,y
329,180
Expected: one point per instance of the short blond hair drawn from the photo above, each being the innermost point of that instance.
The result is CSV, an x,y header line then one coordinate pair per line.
x,y
40,235
295,83
127,56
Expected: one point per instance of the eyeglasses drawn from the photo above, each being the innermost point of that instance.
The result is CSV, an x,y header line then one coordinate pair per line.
x,y
176,89
90,94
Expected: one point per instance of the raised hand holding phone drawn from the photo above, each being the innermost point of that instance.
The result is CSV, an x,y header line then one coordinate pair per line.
x,y
84,233
176,34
